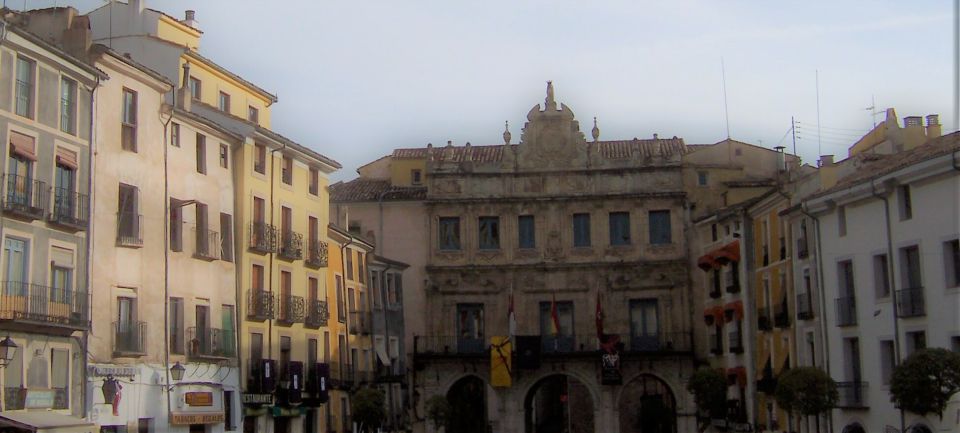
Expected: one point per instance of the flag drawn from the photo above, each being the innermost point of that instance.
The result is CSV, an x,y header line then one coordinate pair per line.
x,y
501,362
116,400
599,318
512,318
554,318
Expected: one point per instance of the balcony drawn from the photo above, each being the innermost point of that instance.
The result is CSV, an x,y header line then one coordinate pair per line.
x,y
259,304
25,198
318,313
263,238
70,209
846,311
852,395
317,254
449,346
129,230
716,344
660,342
348,376
360,322
261,376
207,245
290,309
129,338
764,322
37,305
910,302
561,344
291,245
736,341
781,316
805,306
802,251
211,343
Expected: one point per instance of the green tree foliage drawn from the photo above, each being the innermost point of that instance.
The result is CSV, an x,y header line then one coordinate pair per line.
x,y
924,382
806,391
438,411
709,389
366,408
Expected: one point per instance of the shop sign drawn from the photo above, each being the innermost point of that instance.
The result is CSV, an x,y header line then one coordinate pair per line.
x,y
39,399
104,371
198,398
256,398
197,418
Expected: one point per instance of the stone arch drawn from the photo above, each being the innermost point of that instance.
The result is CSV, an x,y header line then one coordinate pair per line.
x,y
647,404
919,428
549,403
854,427
467,396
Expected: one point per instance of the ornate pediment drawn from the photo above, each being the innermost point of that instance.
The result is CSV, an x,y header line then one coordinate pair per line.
x,y
551,138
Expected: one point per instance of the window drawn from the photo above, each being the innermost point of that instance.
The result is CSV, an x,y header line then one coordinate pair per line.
x,y
845,279
713,232
904,202
644,324
224,102
24,90
260,161
852,359
326,347
68,105
287,174
201,153
256,347
65,203
881,275
195,88
916,340
259,208
61,275
203,247
581,230
311,353
314,181
228,411
951,262
349,266
556,331
127,339
176,225
361,272
224,156
285,344
470,336
526,228
489,233
341,307
59,375
175,134
256,277
842,221
376,290
128,120
910,259
887,360
660,229
619,228
415,176
702,178
449,235
253,114
176,326
226,237
128,217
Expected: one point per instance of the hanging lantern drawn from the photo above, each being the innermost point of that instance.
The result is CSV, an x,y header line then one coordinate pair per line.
x,y
8,349
177,371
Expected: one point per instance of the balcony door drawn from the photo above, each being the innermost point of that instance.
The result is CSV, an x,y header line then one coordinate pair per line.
x,y
203,329
127,208
127,338
563,339
63,193
469,328
644,325
19,174
15,266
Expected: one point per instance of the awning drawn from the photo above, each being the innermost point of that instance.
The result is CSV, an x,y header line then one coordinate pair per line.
x,y
713,315
382,352
734,311
728,253
67,158
707,262
46,422
740,373
23,145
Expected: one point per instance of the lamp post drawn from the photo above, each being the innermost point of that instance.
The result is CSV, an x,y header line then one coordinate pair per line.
x,y
8,349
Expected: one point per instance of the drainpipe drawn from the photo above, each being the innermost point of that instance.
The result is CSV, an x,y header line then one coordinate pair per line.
x,y
84,342
823,302
892,282
270,274
166,256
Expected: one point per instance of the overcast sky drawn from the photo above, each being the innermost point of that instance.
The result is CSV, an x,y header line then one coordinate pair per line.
x,y
356,79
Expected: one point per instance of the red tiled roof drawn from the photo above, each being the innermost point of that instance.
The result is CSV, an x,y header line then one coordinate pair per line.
x,y
616,149
371,189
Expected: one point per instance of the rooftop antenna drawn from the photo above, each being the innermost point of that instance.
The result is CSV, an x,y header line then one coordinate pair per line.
x,y
819,145
726,110
873,110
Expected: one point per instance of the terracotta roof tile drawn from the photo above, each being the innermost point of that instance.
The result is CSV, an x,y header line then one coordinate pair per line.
x,y
370,190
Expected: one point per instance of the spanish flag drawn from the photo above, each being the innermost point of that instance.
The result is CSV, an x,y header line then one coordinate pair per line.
x,y
554,318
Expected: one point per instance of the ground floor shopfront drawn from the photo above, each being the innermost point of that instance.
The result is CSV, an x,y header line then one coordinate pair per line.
x,y
137,398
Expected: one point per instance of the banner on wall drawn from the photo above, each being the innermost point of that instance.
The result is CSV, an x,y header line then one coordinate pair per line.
x,y
501,355
610,360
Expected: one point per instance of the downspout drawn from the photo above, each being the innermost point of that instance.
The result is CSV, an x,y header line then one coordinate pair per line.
x,y
270,276
84,341
343,264
892,282
823,301
166,259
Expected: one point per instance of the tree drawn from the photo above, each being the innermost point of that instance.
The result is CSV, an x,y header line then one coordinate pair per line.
x,y
807,391
924,382
709,389
366,408
438,411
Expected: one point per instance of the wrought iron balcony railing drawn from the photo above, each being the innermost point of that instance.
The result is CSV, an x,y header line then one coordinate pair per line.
x,y
70,209
852,395
805,306
211,343
660,342
129,229
260,304
846,311
129,338
910,302
45,306
263,238
448,345
360,322
318,313
207,244
291,245
24,197
290,309
317,254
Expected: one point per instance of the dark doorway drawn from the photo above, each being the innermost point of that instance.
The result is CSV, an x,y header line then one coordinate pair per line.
x,y
647,406
468,401
550,405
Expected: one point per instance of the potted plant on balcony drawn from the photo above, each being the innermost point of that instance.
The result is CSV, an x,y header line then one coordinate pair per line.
x,y
807,391
925,381
709,389
366,407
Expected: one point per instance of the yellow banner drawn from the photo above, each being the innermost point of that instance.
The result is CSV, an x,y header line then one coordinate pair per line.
x,y
501,362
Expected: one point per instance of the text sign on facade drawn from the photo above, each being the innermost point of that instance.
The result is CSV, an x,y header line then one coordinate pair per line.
x,y
197,418
256,398
39,399
199,398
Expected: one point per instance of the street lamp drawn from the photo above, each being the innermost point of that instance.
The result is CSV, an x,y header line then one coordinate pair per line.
x,y
177,371
7,351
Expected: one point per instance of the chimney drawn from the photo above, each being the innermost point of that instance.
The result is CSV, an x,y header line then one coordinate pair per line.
x,y
781,159
912,121
184,97
934,129
826,160
190,19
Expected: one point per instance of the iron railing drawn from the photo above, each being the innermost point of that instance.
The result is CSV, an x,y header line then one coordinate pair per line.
x,y
25,197
852,395
70,209
291,245
290,309
211,342
764,321
910,302
129,229
805,306
317,254
129,338
14,398
736,341
259,304
44,305
448,345
318,313
781,315
846,311
660,342
360,322
263,238
207,244
61,398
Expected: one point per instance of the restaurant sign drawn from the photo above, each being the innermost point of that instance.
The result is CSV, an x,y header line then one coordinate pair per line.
x,y
186,418
198,398
256,398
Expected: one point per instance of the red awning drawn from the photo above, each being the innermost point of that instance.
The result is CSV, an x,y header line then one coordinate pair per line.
x,y
728,253
735,310
740,373
707,262
713,315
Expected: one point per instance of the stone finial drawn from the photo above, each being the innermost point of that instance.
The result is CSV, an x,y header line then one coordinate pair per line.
x,y
596,130
550,103
506,132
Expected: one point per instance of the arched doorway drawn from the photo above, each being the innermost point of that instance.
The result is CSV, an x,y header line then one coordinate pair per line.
x,y
468,403
854,428
558,404
647,406
919,428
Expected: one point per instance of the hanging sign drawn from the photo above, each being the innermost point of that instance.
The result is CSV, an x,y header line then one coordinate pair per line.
x,y
610,360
